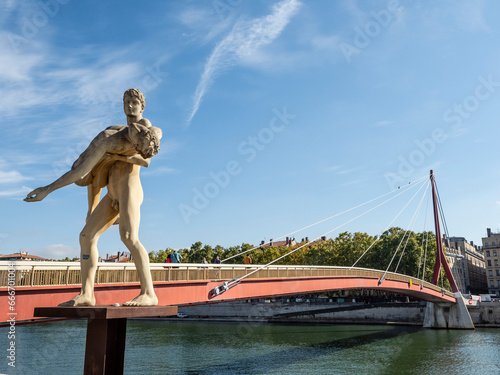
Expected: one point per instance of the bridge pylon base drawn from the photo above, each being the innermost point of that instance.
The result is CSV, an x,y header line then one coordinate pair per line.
x,y
448,316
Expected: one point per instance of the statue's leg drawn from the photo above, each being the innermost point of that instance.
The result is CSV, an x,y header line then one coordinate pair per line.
x,y
129,231
101,219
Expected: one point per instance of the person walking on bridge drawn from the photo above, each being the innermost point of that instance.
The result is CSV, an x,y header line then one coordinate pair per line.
x,y
176,257
248,260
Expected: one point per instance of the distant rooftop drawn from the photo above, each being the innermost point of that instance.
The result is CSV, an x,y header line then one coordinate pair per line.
x,y
491,234
21,256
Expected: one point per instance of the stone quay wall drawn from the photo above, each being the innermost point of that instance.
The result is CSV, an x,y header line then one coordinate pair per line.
x,y
484,314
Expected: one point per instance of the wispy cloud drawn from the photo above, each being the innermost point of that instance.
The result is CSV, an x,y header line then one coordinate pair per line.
x,y
334,168
470,15
102,81
43,76
202,25
12,177
382,123
444,19
325,42
245,38
16,192
55,251
341,170
159,171
6,9
193,17
169,146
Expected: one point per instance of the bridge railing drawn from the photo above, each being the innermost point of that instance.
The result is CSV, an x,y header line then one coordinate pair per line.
x,y
30,274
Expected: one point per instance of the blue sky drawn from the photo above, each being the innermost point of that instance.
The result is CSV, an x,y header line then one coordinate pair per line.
x,y
275,114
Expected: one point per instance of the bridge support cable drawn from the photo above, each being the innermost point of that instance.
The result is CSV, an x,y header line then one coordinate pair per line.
x,y
407,187
227,285
441,213
425,258
440,257
424,236
388,226
404,235
410,226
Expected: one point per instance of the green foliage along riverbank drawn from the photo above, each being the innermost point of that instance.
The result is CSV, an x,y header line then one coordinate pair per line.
x,y
344,250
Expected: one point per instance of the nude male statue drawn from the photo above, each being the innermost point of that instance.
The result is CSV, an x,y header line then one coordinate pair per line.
x,y
113,159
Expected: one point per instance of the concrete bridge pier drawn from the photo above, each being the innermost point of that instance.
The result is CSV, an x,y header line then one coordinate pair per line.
x,y
448,315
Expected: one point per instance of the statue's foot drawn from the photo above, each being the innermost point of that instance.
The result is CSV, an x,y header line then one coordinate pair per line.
x,y
80,300
143,300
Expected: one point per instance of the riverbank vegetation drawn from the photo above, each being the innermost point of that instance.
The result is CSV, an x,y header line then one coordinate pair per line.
x,y
396,249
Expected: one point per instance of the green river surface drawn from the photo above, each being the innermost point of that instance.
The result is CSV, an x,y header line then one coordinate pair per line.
x,y
186,347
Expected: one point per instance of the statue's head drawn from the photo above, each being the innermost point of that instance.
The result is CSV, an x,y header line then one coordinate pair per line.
x,y
146,140
135,93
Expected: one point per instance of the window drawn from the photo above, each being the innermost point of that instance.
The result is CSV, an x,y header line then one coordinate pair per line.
x,y
496,262
487,253
493,243
486,244
489,263
494,253
498,272
498,282
490,273
492,284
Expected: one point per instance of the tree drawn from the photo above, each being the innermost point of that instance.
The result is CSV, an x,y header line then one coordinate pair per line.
x,y
159,256
232,251
196,253
406,249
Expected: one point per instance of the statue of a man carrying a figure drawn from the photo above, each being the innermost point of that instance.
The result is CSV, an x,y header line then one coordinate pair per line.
x,y
113,159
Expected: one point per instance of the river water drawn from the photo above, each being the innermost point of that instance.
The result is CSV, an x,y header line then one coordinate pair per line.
x,y
166,347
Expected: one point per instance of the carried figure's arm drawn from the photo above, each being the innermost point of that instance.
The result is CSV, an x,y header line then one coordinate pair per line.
x,y
133,159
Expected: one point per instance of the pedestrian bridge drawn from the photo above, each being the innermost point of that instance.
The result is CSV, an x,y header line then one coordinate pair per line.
x,y
26,285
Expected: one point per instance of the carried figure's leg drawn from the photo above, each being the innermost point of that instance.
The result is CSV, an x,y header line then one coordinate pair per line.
x,y
106,141
101,219
129,231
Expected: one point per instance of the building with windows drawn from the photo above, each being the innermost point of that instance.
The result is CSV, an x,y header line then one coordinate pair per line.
x,y
467,265
458,267
491,247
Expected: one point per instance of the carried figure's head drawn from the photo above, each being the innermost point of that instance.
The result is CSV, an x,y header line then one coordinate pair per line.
x,y
146,140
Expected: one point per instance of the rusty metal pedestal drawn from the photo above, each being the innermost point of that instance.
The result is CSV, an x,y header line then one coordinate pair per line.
x,y
106,332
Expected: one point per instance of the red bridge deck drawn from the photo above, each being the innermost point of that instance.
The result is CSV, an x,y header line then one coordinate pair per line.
x,y
22,302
